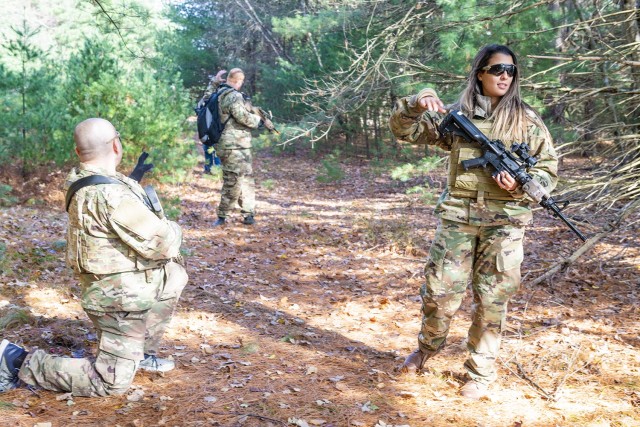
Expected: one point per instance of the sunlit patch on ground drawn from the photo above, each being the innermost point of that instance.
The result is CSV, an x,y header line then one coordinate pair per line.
x,y
308,313
54,303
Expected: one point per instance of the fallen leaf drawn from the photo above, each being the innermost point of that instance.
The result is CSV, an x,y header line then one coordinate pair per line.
x,y
136,395
298,422
368,407
341,386
64,396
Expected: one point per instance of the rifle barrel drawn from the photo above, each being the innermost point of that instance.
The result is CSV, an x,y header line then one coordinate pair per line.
x,y
557,212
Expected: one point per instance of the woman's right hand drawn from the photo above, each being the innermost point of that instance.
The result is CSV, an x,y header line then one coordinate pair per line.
x,y
431,103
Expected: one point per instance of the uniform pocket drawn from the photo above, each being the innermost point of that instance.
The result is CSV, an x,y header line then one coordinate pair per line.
x,y
104,255
136,218
470,179
130,291
174,282
116,373
104,366
435,264
510,257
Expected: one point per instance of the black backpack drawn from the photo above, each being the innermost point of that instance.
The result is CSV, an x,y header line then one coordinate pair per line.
x,y
210,126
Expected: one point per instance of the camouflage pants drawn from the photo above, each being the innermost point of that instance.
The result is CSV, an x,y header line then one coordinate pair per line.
x,y
238,184
124,337
491,256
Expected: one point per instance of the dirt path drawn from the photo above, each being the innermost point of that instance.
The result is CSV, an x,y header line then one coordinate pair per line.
x,y
302,318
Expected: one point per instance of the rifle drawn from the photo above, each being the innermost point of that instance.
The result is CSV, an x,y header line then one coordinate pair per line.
x,y
265,116
496,155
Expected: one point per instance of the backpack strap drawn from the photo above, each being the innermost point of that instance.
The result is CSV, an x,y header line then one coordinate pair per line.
x,y
225,88
85,182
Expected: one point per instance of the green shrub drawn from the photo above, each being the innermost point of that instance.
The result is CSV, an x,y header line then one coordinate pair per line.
x,y
215,175
3,256
408,171
331,170
146,105
380,165
6,199
6,406
265,139
426,194
15,317
268,184
171,207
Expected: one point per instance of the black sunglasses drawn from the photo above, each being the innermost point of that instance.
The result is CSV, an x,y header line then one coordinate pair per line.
x,y
498,69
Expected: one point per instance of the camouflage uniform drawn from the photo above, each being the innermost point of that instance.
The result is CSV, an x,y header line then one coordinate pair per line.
x,y
234,150
128,263
212,87
480,235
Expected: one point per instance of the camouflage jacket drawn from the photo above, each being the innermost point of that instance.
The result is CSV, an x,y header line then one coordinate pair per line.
x,y
237,131
460,201
212,87
113,229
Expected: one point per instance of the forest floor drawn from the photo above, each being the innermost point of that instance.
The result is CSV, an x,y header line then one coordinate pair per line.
x,y
303,318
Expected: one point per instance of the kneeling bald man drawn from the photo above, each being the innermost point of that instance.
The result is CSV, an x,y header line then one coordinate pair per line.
x,y
126,255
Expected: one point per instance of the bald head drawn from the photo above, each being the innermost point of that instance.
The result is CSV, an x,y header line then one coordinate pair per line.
x,y
93,137
98,144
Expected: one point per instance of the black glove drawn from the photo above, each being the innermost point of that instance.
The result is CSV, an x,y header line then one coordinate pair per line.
x,y
141,168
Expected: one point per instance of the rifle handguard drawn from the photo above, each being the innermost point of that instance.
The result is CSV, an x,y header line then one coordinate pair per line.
x,y
536,191
265,117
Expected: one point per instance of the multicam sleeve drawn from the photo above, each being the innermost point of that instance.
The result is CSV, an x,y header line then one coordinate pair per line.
x,y
139,228
409,124
541,145
240,113
212,87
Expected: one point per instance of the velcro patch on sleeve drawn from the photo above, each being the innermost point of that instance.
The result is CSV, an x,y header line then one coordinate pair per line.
x,y
134,216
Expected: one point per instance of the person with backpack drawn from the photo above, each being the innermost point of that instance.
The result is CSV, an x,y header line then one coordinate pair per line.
x,y
234,148
204,122
126,256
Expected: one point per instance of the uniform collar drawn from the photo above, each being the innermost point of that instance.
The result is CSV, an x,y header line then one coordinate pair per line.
x,y
98,171
483,106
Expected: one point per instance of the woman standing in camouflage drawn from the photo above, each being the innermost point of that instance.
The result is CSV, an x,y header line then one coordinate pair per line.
x,y
482,219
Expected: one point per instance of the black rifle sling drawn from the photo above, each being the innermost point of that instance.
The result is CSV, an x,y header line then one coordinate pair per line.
x,y
85,182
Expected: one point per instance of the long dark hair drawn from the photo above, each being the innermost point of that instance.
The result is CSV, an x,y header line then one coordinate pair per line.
x,y
512,115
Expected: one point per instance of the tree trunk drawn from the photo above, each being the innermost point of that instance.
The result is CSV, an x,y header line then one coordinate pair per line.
x,y
366,133
632,35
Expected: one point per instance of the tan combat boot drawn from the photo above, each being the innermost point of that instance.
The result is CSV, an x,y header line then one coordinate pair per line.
x,y
414,362
474,390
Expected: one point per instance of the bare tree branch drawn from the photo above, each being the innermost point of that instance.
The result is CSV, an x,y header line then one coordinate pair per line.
x,y
117,28
609,229
266,33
